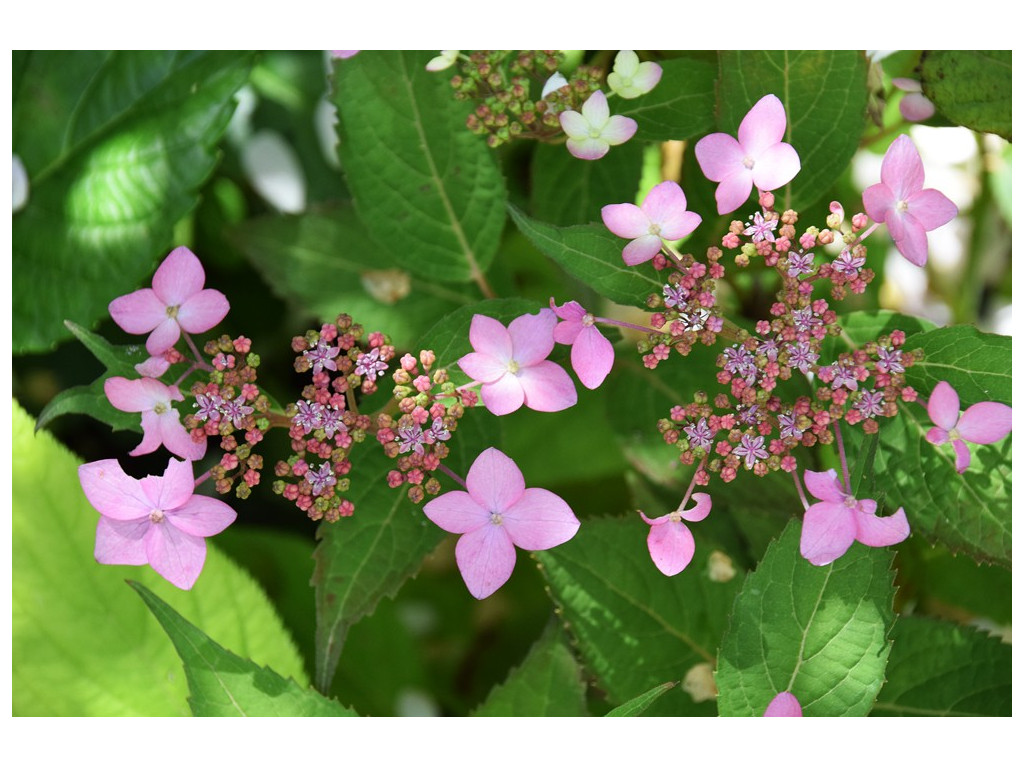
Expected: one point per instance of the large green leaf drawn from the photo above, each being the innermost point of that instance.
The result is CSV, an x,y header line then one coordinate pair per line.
x,y
817,632
546,684
681,106
636,628
222,684
640,704
971,88
825,95
976,364
116,145
83,644
428,190
938,668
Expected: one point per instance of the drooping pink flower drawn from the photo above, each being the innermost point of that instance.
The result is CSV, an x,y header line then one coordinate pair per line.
x,y
760,158
838,519
495,514
161,423
177,302
982,423
670,541
784,704
594,131
630,78
661,216
915,106
510,364
156,520
592,354
901,203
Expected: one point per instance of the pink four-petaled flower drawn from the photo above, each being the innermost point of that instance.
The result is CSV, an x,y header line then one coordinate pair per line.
x,y
594,130
155,520
495,514
177,302
903,205
982,423
592,355
161,424
662,216
759,158
669,541
839,519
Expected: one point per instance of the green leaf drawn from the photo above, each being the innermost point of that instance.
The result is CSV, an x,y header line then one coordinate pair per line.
x,y
938,668
82,644
592,254
546,684
428,190
116,145
681,106
971,88
825,95
634,627
976,364
566,190
639,705
222,684
817,632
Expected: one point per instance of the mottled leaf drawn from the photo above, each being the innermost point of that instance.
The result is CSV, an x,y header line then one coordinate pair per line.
x,y
971,88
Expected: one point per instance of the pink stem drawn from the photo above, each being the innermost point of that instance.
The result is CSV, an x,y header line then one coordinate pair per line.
x,y
842,457
800,489
452,475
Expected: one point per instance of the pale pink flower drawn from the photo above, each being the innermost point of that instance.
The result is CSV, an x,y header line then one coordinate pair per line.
x,y
784,704
760,158
596,129
630,78
442,61
161,423
838,519
661,216
510,364
915,106
495,514
592,354
982,423
156,520
903,205
153,367
177,302
670,541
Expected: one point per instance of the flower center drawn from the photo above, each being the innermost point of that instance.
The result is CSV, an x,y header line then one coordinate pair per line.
x,y
588,320
902,206
496,518
676,516
172,311
513,366
850,501
156,516
748,163
953,434
160,408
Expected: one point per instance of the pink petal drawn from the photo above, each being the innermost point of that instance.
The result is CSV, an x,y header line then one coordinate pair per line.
x,y
626,220
824,485
679,224
539,520
112,492
177,439
202,516
485,558
916,107
153,367
642,249
784,704
763,126
595,109
137,395
944,406
776,167
587,149
571,310
875,531
172,489
931,208
567,331
179,277
878,200
494,481
937,436
456,512
907,84
121,542
963,455
503,395
700,510
671,547
592,357
619,130
902,170
647,76
202,311
163,337
574,124
985,423
532,337
912,242
489,337
547,387
175,555
719,156
828,531
734,191
483,367
138,312
152,436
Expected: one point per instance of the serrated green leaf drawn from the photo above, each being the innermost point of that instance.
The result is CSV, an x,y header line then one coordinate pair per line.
x,y
825,95
942,669
976,364
428,190
817,632
634,627
222,684
546,684
116,145
971,88
82,644
592,254
639,705
681,106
